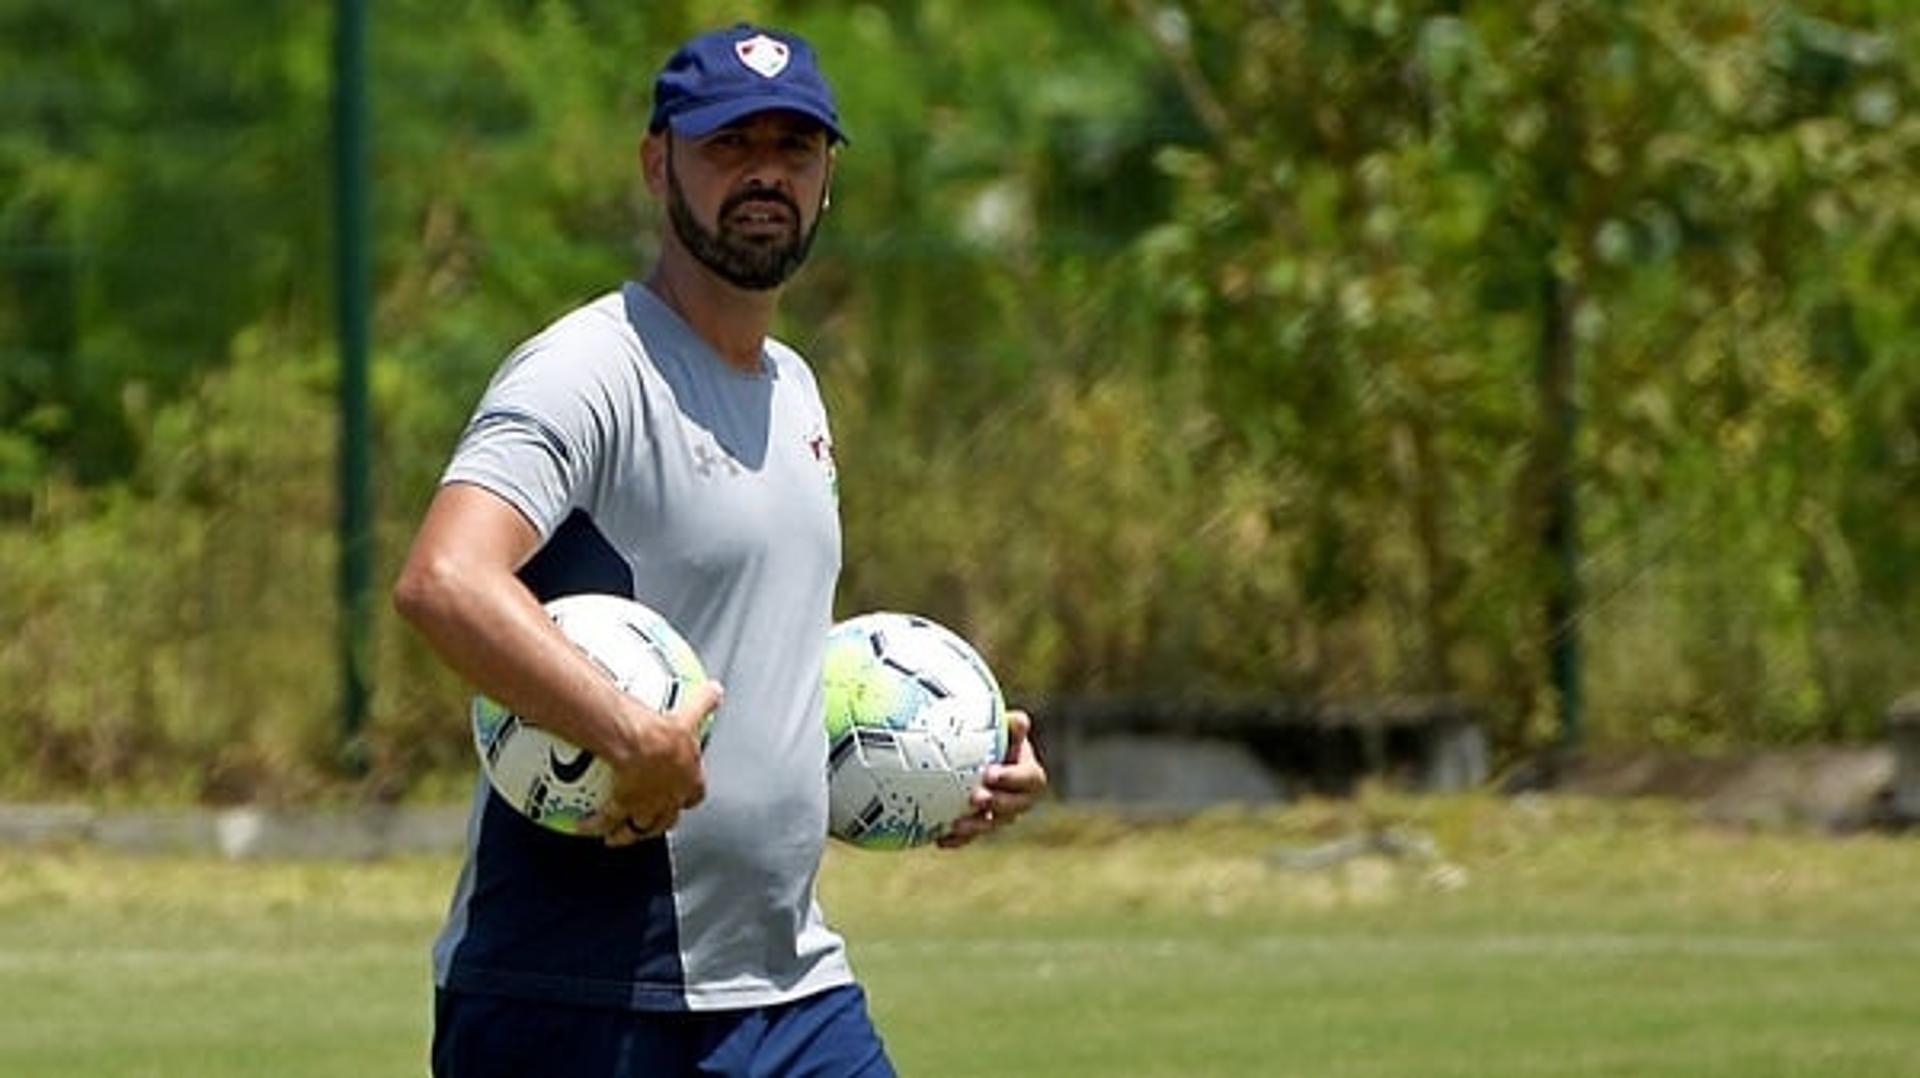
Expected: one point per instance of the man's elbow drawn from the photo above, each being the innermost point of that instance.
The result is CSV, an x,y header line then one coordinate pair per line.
x,y
426,590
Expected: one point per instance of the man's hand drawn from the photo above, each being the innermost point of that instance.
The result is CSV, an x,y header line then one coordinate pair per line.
x,y
661,776
1007,789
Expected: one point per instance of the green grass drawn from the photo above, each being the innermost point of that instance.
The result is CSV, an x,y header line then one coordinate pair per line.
x,y
1549,938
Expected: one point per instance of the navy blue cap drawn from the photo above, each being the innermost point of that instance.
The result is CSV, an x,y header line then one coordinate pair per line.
x,y
725,75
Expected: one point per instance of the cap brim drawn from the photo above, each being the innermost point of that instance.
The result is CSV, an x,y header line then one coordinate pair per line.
x,y
706,119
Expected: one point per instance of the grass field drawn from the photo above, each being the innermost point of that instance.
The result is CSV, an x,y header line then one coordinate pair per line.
x,y
1544,938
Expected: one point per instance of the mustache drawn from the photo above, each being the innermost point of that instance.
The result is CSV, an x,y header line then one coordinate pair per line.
x,y
768,194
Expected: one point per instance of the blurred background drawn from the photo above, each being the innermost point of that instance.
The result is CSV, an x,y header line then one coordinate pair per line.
x,y
1555,360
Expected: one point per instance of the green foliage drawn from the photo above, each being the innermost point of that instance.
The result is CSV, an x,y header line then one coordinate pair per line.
x,y
1169,344
161,194
1357,267
169,634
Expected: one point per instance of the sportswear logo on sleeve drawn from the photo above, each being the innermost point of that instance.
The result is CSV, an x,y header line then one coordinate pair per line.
x,y
508,417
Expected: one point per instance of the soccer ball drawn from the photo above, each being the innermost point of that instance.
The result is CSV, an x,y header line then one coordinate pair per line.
x,y
913,718
548,779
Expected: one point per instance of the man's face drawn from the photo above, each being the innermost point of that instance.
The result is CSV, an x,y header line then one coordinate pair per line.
x,y
745,200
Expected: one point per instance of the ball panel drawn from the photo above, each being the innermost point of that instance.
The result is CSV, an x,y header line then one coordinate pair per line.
x,y
897,789
549,780
859,687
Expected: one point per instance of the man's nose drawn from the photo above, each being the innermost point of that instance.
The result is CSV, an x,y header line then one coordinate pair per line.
x,y
767,167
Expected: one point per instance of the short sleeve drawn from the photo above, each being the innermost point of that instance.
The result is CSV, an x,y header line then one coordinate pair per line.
x,y
536,435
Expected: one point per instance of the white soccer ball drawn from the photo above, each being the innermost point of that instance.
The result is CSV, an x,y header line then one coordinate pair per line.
x,y
551,781
913,717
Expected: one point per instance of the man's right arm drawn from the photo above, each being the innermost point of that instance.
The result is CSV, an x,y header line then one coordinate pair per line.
x,y
458,588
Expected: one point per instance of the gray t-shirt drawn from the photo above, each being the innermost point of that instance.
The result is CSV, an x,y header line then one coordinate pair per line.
x,y
655,470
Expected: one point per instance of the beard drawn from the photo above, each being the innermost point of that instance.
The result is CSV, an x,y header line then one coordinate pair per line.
x,y
751,264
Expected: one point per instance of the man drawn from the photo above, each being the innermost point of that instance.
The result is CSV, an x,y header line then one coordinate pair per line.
x,y
656,443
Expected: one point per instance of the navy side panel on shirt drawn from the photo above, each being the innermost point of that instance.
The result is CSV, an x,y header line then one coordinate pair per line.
x,y
578,560
539,930
630,885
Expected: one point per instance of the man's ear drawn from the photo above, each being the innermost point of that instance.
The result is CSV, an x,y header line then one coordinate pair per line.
x,y
653,162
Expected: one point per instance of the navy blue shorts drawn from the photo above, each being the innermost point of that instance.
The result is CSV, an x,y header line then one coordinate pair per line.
x,y
821,1036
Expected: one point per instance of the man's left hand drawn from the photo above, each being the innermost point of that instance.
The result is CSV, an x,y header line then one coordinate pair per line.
x,y
1007,789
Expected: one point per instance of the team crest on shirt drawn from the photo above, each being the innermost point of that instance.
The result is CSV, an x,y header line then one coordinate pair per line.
x,y
763,55
820,444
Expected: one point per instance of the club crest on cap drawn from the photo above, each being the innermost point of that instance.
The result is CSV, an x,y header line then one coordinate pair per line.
x,y
763,55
